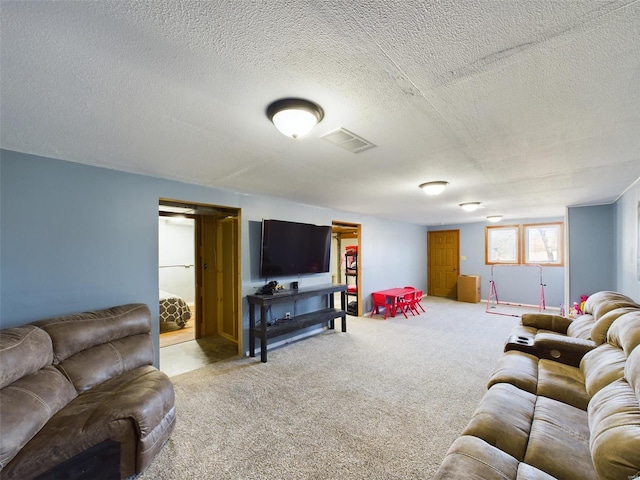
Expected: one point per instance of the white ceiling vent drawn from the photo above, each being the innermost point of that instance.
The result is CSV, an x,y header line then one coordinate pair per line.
x,y
347,140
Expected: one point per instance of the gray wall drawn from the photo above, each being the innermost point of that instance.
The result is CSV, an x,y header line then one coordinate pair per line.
x,y
627,242
513,284
591,250
76,237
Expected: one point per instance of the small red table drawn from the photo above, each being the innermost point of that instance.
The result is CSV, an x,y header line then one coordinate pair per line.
x,y
393,294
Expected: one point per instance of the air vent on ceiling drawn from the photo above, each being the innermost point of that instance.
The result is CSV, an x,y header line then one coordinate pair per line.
x,y
347,140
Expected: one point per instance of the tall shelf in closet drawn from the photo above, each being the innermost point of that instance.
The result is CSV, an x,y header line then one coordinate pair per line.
x,y
351,276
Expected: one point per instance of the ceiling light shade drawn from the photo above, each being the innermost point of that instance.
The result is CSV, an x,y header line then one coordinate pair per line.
x,y
434,188
494,218
294,117
470,206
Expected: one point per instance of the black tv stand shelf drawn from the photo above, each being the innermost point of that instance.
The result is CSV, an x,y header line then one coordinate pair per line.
x,y
263,331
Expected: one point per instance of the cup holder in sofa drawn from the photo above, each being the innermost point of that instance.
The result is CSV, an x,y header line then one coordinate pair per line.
x,y
521,343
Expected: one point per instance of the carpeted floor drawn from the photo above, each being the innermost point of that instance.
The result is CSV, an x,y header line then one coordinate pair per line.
x,y
383,401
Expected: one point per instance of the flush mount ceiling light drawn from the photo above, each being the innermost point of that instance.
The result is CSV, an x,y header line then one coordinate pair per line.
x,y
434,188
494,218
470,206
294,117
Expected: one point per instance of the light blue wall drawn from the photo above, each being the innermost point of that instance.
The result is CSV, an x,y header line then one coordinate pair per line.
x,y
513,284
591,250
76,237
627,256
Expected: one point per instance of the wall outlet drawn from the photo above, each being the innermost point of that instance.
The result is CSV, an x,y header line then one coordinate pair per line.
x,y
287,315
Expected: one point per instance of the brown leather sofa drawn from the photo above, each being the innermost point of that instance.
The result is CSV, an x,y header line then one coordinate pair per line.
x,y
542,418
82,383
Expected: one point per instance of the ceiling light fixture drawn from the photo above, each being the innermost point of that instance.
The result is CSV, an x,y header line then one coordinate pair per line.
x,y
494,218
434,188
294,117
470,206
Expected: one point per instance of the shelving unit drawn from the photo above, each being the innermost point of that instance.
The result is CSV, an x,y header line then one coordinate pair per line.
x,y
324,315
351,276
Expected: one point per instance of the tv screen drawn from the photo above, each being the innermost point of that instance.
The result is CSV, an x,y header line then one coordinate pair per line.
x,y
291,248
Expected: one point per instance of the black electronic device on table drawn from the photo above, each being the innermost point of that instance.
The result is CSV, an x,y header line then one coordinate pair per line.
x,y
268,288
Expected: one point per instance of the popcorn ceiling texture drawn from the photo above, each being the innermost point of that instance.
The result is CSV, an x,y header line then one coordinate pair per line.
x,y
527,106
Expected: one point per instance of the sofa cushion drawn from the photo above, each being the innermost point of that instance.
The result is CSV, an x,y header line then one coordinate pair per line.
x,y
602,302
113,359
559,440
602,325
541,377
545,321
562,383
625,332
472,458
503,419
517,368
600,310
601,366
614,420
23,350
27,405
542,432
72,334
581,327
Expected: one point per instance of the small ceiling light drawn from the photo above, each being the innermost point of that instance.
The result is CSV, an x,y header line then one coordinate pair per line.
x,y
294,117
470,206
494,218
434,188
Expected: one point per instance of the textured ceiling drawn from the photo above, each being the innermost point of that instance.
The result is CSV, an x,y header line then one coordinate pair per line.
x,y
527,106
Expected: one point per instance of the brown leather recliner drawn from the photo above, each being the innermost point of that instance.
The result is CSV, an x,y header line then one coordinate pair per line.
x,y
71,383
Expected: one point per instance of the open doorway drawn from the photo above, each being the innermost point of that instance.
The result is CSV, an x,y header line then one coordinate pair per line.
x,y
199,285
176,278
347,263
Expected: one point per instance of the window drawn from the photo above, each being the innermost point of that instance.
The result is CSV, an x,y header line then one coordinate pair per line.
x,y
540,244
543,244
501,244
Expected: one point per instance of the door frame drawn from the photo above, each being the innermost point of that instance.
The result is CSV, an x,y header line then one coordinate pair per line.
x,y
350,230
197,211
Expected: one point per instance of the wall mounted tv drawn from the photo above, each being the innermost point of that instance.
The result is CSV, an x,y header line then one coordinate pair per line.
x,y
292,248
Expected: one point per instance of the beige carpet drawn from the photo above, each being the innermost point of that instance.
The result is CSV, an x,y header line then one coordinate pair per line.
x,y
383,401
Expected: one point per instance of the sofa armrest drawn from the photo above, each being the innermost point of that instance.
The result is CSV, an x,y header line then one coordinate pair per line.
x,y
545,321
144,395
563,349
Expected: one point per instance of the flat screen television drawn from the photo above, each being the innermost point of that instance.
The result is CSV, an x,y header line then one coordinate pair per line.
x,y
292,248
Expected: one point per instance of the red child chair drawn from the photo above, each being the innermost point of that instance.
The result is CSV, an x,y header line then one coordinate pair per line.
x,y
380,301
415,303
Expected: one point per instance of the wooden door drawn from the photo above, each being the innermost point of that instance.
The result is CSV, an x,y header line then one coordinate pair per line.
x,y
206,302
218,277
227,274
444,262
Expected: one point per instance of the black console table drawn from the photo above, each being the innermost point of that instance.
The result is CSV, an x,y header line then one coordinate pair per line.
x,y
297,322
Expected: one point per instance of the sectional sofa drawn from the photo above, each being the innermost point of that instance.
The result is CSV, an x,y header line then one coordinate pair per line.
x,y
80,398
563,402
